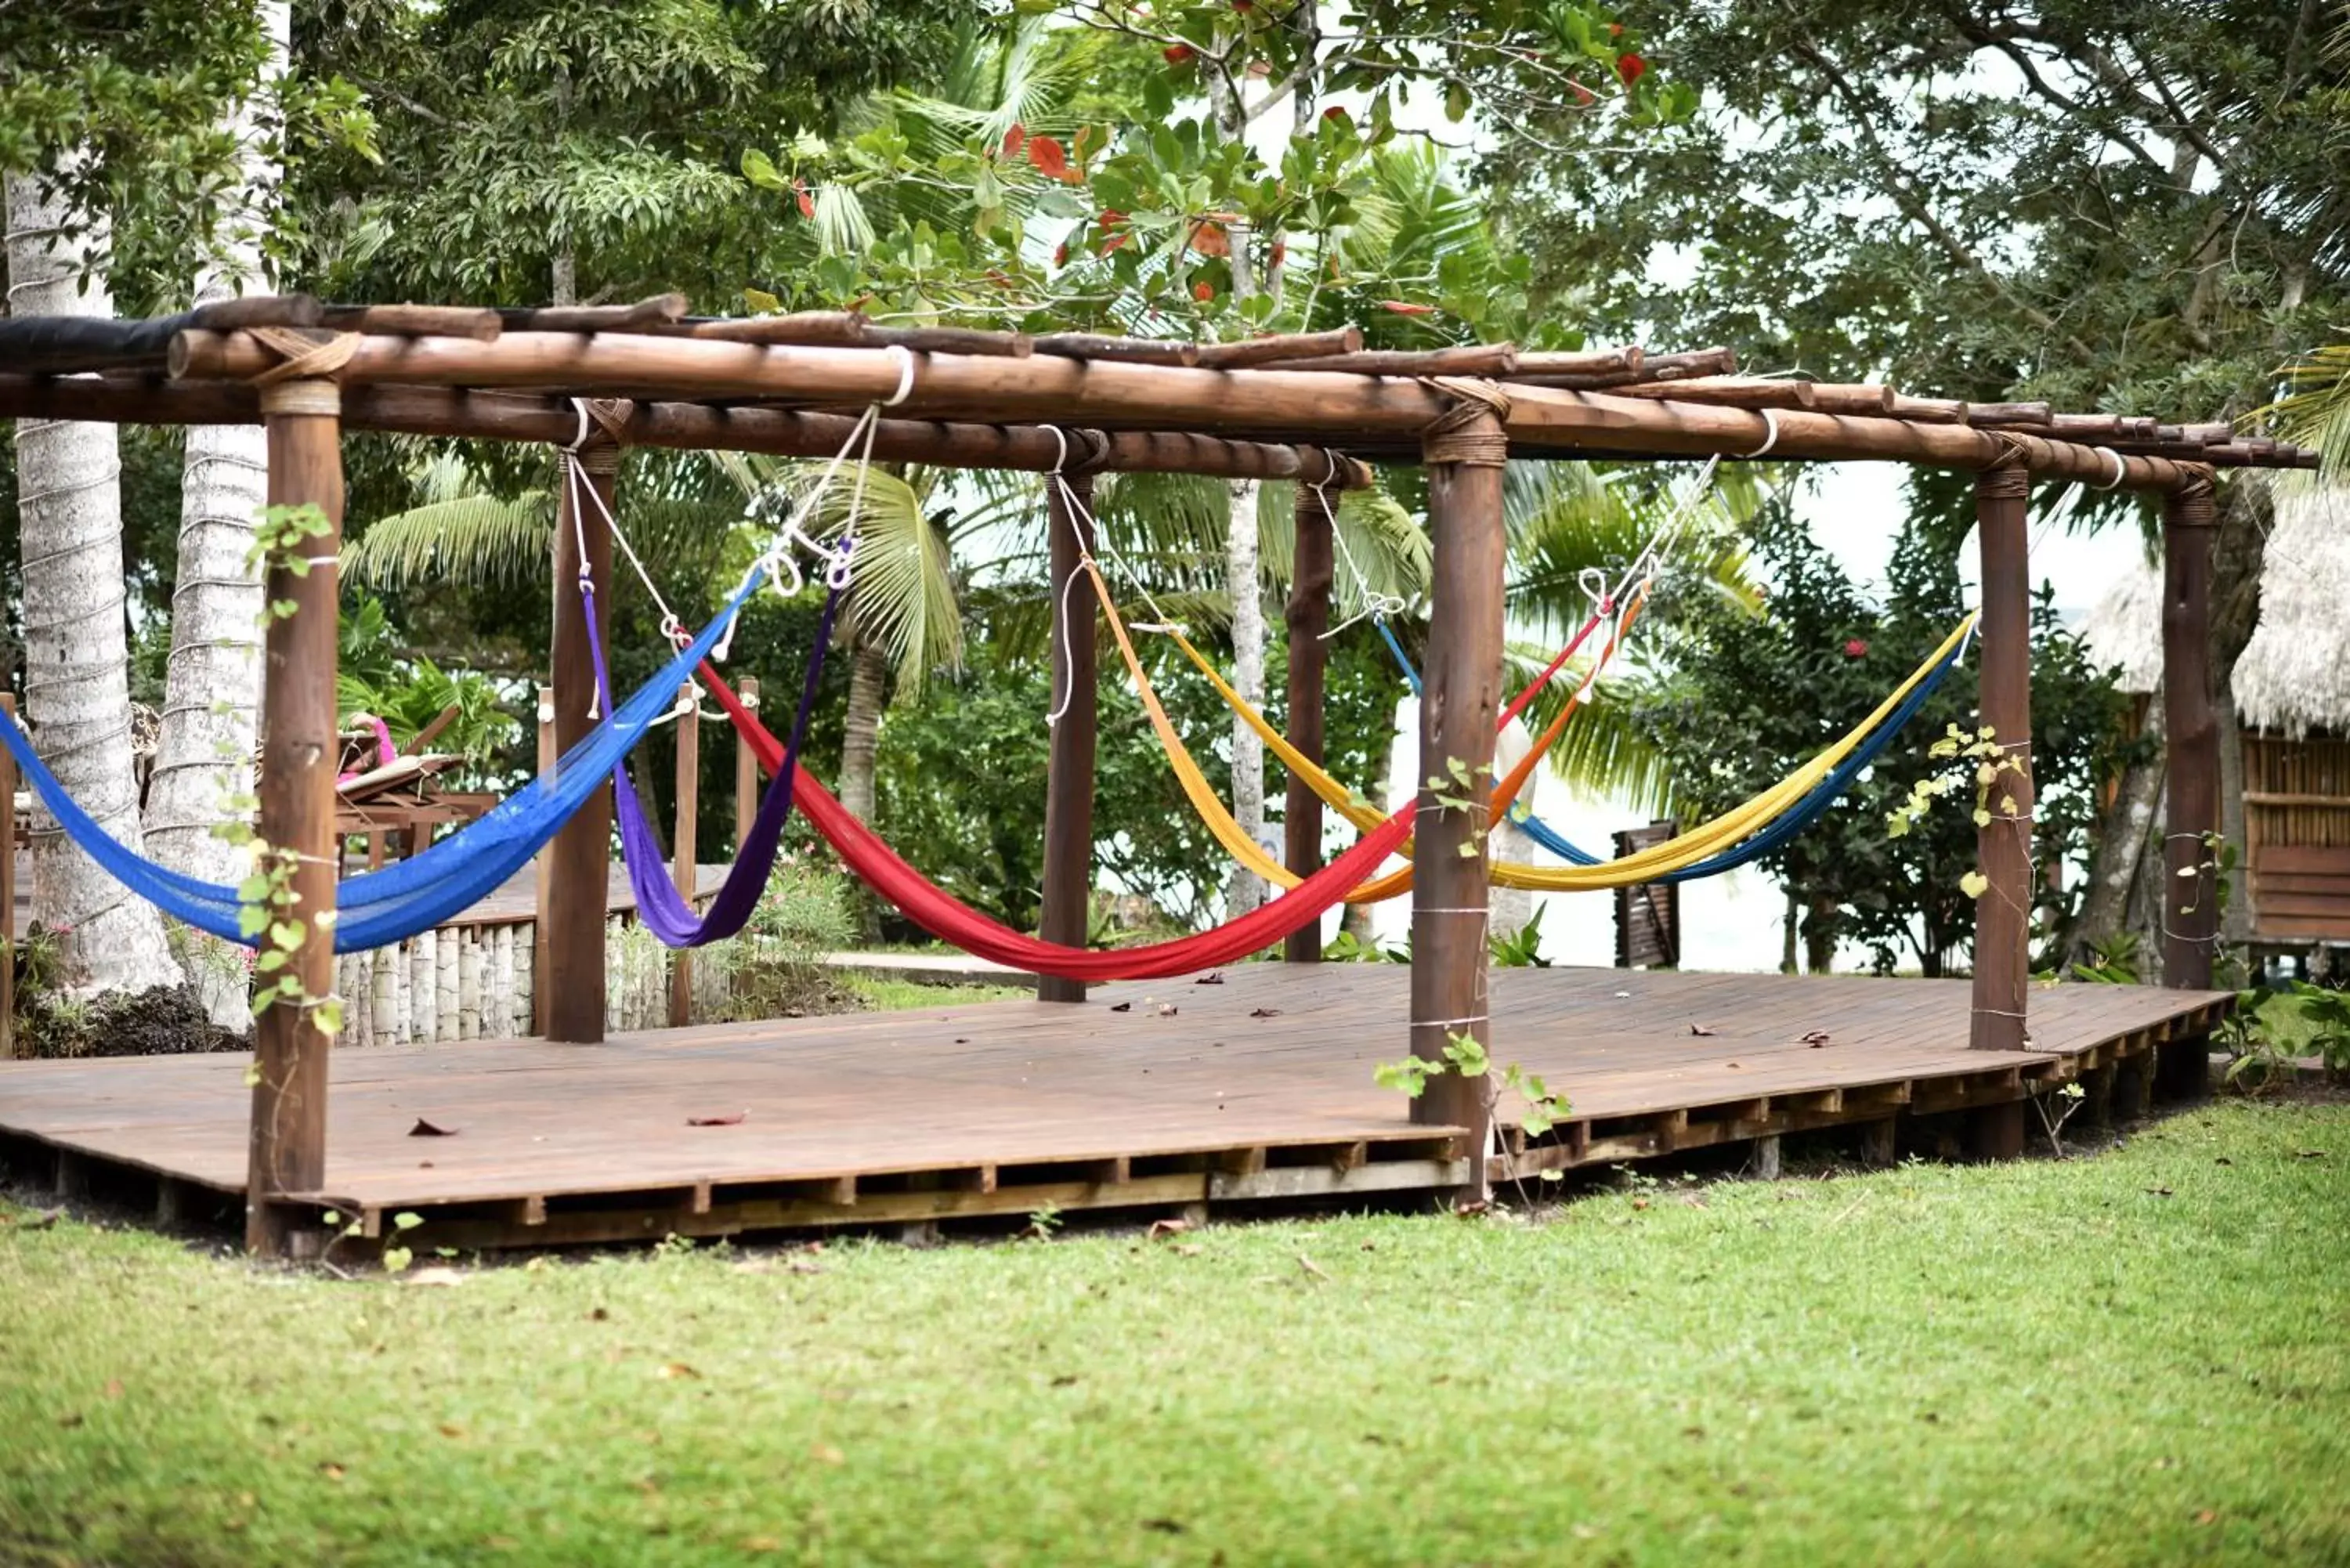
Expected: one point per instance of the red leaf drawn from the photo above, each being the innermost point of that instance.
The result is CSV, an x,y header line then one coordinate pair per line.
x,y
1630,66
1178,54
1406,307
1336,111
734,1120
1048,156
1061,254
430,1129
1203,291
806,203
1013,140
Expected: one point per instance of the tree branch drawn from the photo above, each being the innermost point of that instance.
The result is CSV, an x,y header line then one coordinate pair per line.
x,y
1973,28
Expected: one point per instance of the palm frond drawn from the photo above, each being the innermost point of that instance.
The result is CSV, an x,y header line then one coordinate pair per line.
x,y
467,539
903,594
2316,413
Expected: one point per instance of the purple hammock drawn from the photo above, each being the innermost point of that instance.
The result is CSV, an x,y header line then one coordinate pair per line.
x,y
667,913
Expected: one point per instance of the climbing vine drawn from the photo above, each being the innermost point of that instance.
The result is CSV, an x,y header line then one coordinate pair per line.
x,y
1466,1054
282,540
1981,757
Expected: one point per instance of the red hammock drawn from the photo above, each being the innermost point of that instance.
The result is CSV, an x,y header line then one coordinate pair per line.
x,y
943,915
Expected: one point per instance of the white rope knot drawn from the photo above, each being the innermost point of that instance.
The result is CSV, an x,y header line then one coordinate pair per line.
x,y
1771,436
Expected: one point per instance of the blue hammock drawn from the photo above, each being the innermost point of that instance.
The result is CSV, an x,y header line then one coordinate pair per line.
x,y
1782,829
384,906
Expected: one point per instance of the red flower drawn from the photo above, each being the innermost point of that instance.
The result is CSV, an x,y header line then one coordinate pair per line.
x,y
1211,240
1048,157
1584,96
1178,54
1615,29
1013,140
1857,646
1202,292
1280,253
1405,307
1630,66
806,203
1110,218
1060,254
1336,111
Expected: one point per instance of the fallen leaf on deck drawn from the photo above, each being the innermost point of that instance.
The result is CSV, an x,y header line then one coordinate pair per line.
x,y
1167,1010
1214,977
734,1120
428,1129
1817,1038
438,1274
1730,1063
1264,1013
1700,1030
1121,1007
675,1369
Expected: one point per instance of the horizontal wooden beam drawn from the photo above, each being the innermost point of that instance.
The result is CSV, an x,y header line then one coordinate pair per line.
x,y
517,416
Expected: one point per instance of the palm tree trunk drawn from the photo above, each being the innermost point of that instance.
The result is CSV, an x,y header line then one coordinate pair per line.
x,y
868,687
76,683
1246,889
213,682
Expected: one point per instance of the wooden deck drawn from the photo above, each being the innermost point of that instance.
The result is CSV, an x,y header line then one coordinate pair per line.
x,y
1172,1093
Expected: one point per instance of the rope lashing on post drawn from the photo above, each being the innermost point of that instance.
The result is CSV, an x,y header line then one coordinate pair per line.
x,y
302,355
1462,435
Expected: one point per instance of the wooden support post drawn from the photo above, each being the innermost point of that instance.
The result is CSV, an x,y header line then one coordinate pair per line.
x,y
1460,696
1996,1132
1308,615
1879,1141
746,769
1069,777
544,866
8,890
685,864
299,751
2004,910
1769,1159
580,869
2190,894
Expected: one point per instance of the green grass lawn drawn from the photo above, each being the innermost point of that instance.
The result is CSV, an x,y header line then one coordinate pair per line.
x,y
897,995
2142,1356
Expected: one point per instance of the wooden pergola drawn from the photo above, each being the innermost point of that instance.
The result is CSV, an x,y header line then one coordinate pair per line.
x,y
1315,408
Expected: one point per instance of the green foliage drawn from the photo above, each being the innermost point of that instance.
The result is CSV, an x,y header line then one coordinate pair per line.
x,y
377,677
803,916
1466,1054
1520,948
1348,948
1752,697
282,542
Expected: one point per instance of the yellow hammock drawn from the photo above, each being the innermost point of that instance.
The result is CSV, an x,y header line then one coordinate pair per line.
x,y
1676,854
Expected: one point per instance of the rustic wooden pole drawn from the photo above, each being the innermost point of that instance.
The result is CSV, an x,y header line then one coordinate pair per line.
x,y
1461,696
2190,901
1308,614
684,862
543,869
9,889
746,769
579,859
2003,909
1067,902
299,750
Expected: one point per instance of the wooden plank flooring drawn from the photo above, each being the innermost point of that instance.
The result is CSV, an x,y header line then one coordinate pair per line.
x,y
1169,1092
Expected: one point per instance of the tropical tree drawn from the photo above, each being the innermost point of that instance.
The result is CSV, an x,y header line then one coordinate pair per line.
x,y
213,674
77,682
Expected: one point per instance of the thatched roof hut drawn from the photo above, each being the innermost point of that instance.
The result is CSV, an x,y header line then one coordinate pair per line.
x,y
2294,677
2292,690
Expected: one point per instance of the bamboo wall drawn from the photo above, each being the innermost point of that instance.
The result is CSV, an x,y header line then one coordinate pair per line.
x,y
474,982
2297,835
